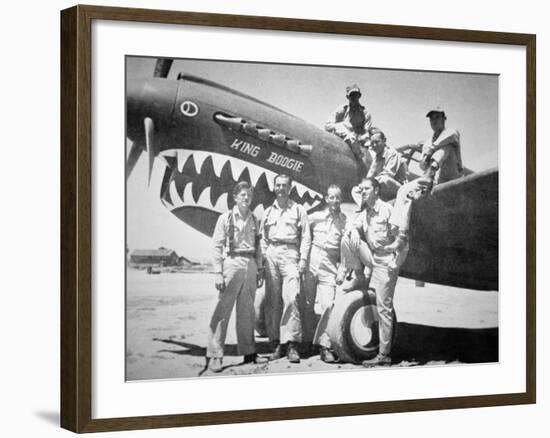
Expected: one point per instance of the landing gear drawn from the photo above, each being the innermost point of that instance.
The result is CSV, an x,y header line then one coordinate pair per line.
x,y
353,326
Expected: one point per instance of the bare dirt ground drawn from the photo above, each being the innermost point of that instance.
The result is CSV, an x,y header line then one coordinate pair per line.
x,y
168,315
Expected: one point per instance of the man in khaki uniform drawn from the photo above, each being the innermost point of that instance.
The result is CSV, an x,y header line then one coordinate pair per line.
x,y
327,227
286,242
237,255
374,244
441,161
441,155
388,167
351,122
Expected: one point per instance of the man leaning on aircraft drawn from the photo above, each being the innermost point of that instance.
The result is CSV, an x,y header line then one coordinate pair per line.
x,y
286,242
375,245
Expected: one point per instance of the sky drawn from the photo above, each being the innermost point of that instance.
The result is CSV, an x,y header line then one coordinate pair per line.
x,y
398,101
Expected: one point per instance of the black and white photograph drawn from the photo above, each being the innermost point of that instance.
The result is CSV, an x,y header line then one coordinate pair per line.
x,y
303,218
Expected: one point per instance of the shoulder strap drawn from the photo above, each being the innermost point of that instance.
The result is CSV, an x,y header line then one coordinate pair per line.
x,y
231,233
266,227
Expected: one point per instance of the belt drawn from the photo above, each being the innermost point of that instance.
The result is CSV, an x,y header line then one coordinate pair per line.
x,y
248,254
324,248
279,243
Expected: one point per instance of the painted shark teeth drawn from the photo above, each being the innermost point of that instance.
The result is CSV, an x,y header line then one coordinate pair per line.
x,y
199,157
301,189
255,173
174,196
237,167
221,203
183,156
204,198
218,161
187,199
188,194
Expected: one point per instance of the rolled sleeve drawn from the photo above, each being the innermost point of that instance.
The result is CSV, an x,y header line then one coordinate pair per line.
x,y
446,138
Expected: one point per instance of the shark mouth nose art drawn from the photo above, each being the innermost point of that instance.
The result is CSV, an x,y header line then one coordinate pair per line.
x,y
204,179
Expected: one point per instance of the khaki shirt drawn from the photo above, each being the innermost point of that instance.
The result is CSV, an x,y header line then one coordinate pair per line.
x,y
391,164
376,226
452,167
358,119
245,231
288,225
327,229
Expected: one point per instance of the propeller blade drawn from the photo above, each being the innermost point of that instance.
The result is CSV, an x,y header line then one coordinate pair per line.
x,y
133,157
150,143
162,67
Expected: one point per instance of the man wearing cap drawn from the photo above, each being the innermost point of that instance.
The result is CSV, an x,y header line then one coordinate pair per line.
x,y
441,156
441,162
351,122
327,227
286,242
388,167
237,256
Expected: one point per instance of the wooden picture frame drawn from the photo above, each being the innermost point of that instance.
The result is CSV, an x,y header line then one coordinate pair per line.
x,y
76,217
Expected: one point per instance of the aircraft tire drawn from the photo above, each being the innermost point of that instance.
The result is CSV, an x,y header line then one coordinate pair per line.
x,y
353,326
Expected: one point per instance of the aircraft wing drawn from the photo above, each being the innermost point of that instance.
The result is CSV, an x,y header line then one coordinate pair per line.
x,y
454,234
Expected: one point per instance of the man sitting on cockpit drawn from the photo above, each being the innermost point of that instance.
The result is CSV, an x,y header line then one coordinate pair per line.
x,y
441,162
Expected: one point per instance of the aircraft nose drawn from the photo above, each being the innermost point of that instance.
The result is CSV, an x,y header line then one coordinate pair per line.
x,y
149,108
152,98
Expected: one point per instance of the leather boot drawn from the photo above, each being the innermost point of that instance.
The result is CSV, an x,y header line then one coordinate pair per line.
x,y
327,356
279,352
292,353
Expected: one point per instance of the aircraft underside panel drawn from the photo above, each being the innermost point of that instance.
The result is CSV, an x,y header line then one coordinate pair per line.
x,y
454,234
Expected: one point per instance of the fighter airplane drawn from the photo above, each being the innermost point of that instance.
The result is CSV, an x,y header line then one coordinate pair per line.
x,y
209,137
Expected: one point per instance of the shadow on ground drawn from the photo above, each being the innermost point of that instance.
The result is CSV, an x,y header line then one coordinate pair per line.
x,y
415,345
262,347
421,344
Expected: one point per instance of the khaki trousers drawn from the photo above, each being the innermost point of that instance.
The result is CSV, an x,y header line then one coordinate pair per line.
x,y
239,274
282,289
319,294
382,280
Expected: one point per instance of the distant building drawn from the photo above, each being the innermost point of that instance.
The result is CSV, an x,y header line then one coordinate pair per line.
x,y
186,262
154,257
